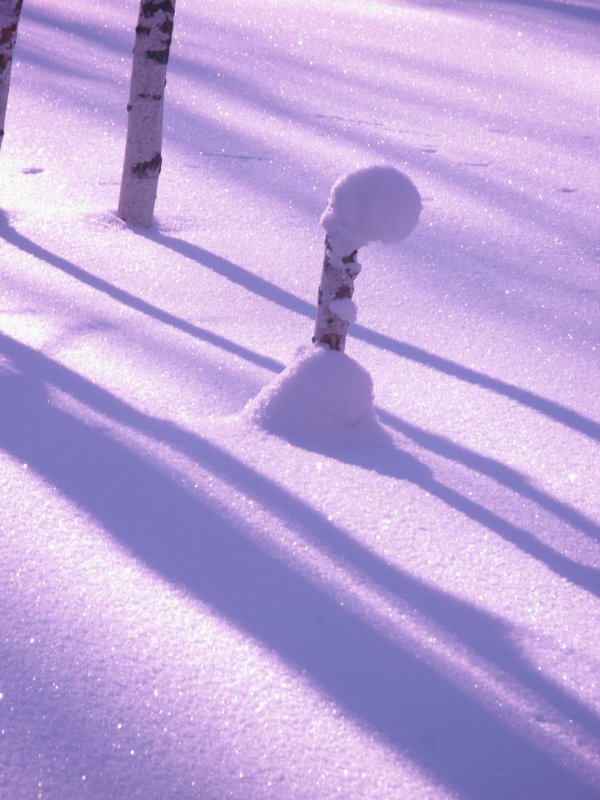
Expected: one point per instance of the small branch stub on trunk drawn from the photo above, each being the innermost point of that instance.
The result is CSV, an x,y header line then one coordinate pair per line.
x,y
373,204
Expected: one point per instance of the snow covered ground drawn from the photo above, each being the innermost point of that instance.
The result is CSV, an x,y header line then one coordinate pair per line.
x,y
204,597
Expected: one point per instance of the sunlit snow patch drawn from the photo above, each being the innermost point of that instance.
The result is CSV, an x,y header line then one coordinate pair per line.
x,y
322,397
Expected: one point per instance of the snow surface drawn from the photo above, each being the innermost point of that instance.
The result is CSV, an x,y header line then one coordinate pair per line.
x,y
201,598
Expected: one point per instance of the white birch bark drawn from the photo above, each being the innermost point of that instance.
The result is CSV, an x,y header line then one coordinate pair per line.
x,y
10,11
337,283
143,159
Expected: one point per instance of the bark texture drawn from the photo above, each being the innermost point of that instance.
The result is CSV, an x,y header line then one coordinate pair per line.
x,y
143,159
10,11
337,283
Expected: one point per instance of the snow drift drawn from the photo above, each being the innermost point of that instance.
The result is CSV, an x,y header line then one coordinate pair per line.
x,y
322,397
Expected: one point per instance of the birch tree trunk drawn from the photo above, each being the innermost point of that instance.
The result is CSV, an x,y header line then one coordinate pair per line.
x,y
143,159
10,11
337,283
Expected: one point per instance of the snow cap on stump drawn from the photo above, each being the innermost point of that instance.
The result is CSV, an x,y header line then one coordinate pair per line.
x,y
375,204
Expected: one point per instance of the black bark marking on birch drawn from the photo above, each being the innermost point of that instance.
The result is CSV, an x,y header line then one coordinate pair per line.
x,y
331,340
146,96
343,292
9,32
160,56
147,169
129,107
143,30
151,7
166,27
6,34
351,259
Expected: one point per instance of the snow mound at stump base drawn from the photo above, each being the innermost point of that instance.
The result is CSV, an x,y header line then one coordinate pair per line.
x,y
322,397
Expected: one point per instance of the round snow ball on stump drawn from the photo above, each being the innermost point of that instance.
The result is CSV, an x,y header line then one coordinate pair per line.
x,y
375,204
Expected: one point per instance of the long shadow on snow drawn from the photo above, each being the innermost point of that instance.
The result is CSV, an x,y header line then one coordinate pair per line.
x,y
242,88
510,478
181,536
264,288
570,9
393,463
113,38
502,474
24,244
